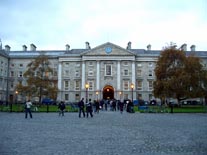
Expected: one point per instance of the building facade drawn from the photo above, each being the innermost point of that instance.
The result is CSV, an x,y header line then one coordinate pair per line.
x,y
110,71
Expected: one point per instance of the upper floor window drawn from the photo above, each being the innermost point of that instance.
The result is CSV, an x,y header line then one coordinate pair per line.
x,y
91,85
12,65
126,72
66,72
139,65
21,65
139,85
77,64
77,73
66,85
126,63
77,85
90,73
90,63
150,86
20,74
12,73
139,72
126,85
150,73
150,64
66,64
108,70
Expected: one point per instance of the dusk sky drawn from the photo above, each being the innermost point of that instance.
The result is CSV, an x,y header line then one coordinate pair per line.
x,y
51,24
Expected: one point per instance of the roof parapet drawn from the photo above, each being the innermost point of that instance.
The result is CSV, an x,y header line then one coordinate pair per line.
x,y
88,45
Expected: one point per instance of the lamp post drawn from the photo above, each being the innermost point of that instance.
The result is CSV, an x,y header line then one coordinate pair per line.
x,y
120,95
86,86
16,93
97,95
132,88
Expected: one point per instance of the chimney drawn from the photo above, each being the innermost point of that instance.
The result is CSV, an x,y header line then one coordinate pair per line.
x,y
7,48
193,48
129,45
184,47
67,47
32,47
24,48
149,47
88,45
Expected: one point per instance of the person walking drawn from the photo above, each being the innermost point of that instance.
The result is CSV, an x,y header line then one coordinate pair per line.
x,y
97,106
61,108
28,108
89,108
81,107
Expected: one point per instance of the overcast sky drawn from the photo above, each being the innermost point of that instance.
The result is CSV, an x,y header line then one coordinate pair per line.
x,y
51,24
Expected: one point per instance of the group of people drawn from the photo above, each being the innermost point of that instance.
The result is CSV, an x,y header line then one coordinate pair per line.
x,y
103,104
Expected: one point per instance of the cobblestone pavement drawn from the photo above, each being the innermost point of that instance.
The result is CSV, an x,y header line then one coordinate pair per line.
x,y
107,133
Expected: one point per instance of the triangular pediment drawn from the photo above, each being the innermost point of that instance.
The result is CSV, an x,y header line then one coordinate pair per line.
x,y
108,49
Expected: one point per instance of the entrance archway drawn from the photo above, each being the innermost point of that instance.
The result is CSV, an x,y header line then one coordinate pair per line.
x,y
108,92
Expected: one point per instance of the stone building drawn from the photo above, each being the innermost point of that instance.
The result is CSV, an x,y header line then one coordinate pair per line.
x,y
110,71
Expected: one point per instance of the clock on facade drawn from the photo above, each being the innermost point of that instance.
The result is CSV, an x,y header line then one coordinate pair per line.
x,y
108,50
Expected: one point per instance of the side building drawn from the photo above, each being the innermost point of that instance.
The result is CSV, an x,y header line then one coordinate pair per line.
x,y
109,71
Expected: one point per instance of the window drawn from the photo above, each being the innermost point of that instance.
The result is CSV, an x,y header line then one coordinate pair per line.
x,y
12,65
126,85
11,85
66,85
66,64
108,70
139,65
77,97
90,73
139,85
77,64
90,63
20,65
125,63
66,97
150,85
91,85
77,85
139,72
77,74
126,72
20,74
66,73
150,73
150,64
12,73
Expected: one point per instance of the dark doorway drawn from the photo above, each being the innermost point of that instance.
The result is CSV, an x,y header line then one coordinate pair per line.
x,y
108,92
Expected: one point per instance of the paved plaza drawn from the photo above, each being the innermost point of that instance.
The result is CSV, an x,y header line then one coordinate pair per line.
x,y
107,133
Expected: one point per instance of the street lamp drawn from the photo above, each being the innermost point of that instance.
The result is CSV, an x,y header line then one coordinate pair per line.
x,y
120,95
97,95
86,86
16,92
132,88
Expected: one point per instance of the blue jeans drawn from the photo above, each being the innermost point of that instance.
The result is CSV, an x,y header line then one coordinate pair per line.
x,y
27,110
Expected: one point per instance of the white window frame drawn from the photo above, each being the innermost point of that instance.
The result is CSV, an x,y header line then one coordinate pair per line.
x,y
150,85
77,73
66,85
20,74
77,85
126,73
91,85
139,85
150,73
126,85
90,73
108,70
139,72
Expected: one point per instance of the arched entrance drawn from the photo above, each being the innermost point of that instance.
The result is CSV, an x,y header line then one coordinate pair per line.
x,y
108,92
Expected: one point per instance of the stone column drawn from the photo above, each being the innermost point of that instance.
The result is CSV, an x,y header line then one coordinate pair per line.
x,y
59,81
97,75
118,76
83,75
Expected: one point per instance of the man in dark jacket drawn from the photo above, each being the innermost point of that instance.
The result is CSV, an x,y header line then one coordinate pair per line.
x,y
61,107
89,108
81,107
